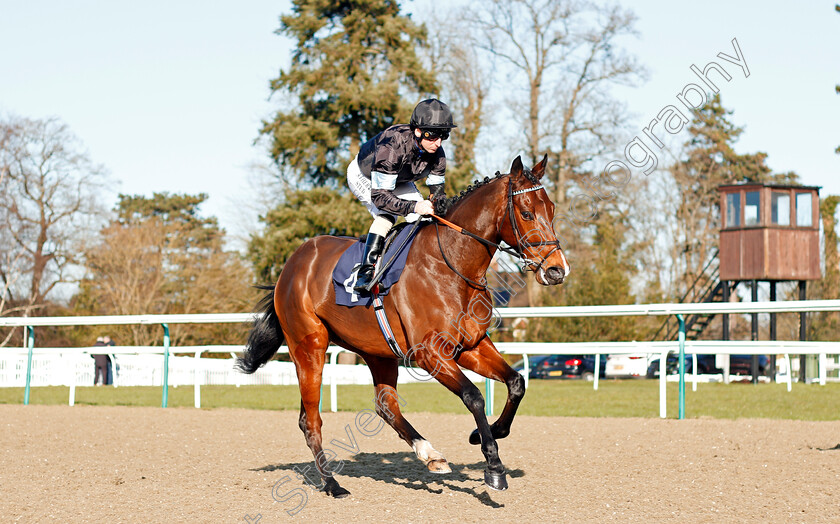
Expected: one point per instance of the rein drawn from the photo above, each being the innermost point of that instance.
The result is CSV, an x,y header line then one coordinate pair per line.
x,y
463,231
518,253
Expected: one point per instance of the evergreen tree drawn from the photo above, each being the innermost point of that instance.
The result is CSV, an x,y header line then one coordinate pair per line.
x,y
179,213
303,215
352,73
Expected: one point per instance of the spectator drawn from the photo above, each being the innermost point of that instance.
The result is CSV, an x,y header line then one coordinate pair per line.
x,y
111,366
101,362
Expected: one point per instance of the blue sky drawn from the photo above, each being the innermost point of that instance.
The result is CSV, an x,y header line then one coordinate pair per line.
x,y
169,95
787,106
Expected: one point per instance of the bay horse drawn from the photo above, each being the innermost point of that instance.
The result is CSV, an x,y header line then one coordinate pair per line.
x,y
443,280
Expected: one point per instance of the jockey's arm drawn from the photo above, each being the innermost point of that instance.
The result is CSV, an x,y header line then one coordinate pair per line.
x,y
383,197
386,201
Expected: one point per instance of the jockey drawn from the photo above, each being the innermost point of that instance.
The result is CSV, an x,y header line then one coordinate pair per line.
x,y
382,176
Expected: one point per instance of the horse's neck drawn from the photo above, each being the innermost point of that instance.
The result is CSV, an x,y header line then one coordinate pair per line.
x,y
481,214
483,211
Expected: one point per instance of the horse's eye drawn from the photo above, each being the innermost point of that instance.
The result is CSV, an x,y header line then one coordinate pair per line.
x,y
527,215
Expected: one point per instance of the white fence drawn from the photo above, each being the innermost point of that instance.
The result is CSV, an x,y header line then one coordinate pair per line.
x,y
143,366
73,366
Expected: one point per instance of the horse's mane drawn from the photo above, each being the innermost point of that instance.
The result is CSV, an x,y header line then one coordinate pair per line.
x,y
452,201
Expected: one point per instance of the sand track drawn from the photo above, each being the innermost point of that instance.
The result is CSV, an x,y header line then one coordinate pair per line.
x,y
116,464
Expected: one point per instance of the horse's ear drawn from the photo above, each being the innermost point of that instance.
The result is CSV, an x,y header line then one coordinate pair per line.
x,y
516,167
539,169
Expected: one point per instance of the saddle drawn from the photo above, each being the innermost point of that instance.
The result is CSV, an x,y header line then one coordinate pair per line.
x,y
397,245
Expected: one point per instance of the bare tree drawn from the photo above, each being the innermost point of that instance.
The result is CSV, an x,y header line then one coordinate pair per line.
x,y
10,259
48,208
5,136
159,258
568,55
6,257
128,277
464,84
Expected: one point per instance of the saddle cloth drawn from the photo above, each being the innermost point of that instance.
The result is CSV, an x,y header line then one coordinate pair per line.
x,y
346,270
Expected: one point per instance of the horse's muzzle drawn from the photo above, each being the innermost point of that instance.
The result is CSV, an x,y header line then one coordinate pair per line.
x,y
554,275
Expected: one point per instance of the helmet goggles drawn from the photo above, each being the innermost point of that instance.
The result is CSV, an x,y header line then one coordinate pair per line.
x,y
434,134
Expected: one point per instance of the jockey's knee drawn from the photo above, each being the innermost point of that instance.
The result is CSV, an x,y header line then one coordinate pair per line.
x,y
382,224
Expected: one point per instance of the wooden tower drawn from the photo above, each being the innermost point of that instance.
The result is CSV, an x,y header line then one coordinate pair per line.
x,y
769,232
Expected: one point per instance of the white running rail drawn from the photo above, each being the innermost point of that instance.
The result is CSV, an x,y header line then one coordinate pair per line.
x,y
822,349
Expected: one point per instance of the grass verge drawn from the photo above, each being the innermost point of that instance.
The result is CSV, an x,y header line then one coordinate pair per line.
x,y
614,398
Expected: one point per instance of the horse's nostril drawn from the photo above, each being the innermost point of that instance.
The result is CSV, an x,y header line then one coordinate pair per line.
x,y
556,273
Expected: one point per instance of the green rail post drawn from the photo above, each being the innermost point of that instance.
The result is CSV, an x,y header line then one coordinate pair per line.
x,y
29,340
165,398
488,397
682,366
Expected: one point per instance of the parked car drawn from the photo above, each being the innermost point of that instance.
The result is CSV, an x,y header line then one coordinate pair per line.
x,y
742,364
633,365
738,365
569,366
705,365
533,362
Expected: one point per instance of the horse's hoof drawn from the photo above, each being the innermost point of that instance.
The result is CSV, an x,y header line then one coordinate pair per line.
x,y
439,466
475,438
332,489
340,493
497,481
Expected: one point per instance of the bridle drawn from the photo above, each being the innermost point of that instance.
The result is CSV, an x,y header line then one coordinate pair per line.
x,y
521,244
533,266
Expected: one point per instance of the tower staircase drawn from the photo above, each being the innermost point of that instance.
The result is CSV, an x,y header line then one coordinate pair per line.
x,y
709,288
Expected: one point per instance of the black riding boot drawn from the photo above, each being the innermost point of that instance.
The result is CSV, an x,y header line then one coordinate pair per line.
x,y
373,248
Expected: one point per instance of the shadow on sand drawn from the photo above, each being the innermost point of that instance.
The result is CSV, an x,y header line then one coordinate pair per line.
x,y
395,468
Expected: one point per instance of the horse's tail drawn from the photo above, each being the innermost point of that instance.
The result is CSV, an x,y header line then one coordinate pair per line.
x,y
265,338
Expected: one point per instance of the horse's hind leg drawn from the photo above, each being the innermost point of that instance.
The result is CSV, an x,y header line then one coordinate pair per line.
x,y
387,403
309,356
485,360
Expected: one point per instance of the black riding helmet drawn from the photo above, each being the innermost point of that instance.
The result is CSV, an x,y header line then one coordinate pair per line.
x,y
431,114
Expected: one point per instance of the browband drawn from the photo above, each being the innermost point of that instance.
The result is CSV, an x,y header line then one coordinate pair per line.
x,y
535,188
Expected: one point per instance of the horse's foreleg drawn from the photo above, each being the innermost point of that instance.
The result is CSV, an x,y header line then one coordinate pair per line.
x,y
485,360
387,403
309,357
447,372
